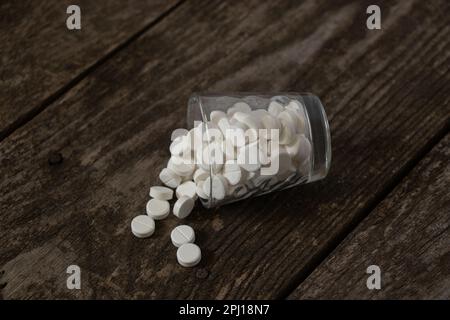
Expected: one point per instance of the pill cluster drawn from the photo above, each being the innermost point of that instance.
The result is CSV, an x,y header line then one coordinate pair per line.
x,y
232,155
158,208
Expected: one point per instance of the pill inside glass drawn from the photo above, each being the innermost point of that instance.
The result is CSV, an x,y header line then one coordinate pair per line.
x,y
241,145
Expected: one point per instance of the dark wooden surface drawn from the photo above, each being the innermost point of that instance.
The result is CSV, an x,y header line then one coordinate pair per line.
x,y
40,58
385,92
407,236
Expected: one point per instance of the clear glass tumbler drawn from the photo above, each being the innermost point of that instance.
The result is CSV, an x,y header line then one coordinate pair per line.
x,y
291,128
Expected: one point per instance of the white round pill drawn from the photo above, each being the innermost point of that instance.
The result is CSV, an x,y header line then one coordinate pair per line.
x,y
158,209
183,207
169,178
200,175
251,122
189,255
181,235
232,172
217,187
275,108
216,116
200,191
182,167
142,226
224,125
187,189
161,193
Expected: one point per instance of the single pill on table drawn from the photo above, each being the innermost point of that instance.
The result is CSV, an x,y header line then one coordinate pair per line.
x,y
170,178
183,207
161,193
187,189
181,235
158,209
142,226
189,255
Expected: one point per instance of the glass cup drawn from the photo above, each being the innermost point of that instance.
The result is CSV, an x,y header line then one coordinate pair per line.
x,y
254,143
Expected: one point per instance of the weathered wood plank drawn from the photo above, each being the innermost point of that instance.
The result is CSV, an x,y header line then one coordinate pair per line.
x,y
407,236
39,55
386,93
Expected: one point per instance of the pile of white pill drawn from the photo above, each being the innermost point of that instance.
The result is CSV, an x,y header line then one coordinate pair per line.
x,y
158,208
235,154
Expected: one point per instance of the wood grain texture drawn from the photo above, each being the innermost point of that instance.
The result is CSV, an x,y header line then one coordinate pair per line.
x,y
386,94
39,55
407,236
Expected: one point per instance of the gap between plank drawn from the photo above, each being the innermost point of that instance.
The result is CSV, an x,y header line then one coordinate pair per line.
x,y
25,118
364,213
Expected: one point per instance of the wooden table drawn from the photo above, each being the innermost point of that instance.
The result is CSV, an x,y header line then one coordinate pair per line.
x,y
85,121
